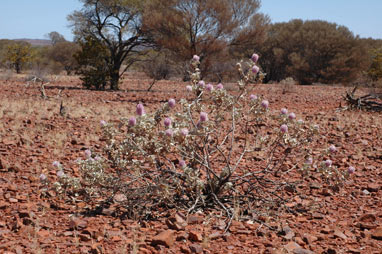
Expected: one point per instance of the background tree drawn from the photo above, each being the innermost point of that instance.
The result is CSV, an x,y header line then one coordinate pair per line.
x,y
312,51
62,54
115,25
93,63
18,54
375,70
55,37
204,28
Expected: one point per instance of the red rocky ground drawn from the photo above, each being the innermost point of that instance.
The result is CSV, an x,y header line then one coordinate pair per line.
x,y
33,134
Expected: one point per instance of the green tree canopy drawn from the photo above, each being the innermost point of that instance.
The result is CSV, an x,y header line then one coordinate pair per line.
x,y
312,51
117,26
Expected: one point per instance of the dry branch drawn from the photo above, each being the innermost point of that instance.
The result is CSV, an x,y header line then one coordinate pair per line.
x,y
367,102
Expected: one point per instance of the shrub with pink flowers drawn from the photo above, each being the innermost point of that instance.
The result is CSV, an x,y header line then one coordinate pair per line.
x,y
211,149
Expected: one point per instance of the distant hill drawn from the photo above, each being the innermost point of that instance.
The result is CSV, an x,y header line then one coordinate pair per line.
x,y
36,42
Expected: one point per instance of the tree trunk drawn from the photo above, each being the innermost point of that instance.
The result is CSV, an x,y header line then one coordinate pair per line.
x,y
114,79
17,68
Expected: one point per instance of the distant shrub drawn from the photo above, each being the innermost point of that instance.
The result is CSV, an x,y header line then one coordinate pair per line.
x,y
288,85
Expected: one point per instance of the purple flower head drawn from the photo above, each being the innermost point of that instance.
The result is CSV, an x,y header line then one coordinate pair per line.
x,y
265,104
196,58
189,88
171,103
182,163
184,132
351,170
169,132
292,116
60,173
300,121
309,161
203,117
255,57
284,128
103,123
132,121
201,83
97,158
332,149
140,109
253,97
167,122
88,153
328,163
209,87
42,177
255,69
219,86
284,111
56,164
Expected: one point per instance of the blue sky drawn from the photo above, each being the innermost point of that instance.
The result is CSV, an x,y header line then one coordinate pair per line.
x,y
35,18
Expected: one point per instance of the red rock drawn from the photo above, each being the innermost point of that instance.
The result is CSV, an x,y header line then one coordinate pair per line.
x,y
377,233
196,248
291,246
373,187
192,219
214,235
339,234
13,200
166,238
77,224
309,239
195,236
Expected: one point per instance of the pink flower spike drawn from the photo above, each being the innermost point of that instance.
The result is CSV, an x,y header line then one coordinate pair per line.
x,y
284,111
132,121
255,57
140,109
60,173
42,177
189,88
209,87
196,58
184,132
169,132
292,116
103,123
182,163
56,164
255,69
88,153
309,161
253,97
167,122
284,128
171,103
332,149
328,163
265,104
203,117
351,170
219,86
201,83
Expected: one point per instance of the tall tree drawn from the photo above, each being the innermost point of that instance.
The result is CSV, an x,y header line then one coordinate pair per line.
x,y
203,27
117,25
62,53
55,37
312,51
18,54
